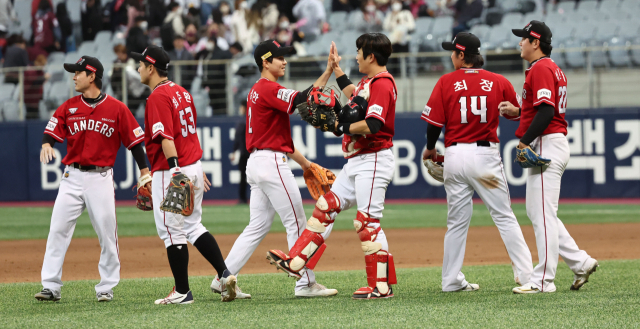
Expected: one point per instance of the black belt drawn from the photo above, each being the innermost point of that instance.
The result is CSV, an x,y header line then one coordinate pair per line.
x,y
82,167
479,143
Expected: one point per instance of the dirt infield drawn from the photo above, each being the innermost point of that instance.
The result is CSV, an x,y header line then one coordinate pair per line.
x,y
21,260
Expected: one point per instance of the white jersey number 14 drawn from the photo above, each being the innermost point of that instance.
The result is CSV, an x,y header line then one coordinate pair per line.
x,y
482,111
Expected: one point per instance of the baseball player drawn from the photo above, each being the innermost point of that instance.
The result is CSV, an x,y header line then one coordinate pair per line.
x,y
364,179
273,187
94,125
173,149
543,129
466,102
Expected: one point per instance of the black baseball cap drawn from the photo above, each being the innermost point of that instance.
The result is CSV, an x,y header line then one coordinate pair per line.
x,y
153,55
535,29
86,63
465,42
269,48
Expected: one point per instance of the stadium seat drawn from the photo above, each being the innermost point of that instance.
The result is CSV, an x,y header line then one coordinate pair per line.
x,y
423,25
442,27
635,53
607,31
561,31
72,57
56,57
6,91
510,5
566,7
587,5
73,7
481,31
87,48
532,16
598,57
629,28
618,57
632,6
512,20
575,58
10,110
59,92
338,20
555,17
558,58
43,111
103,37
498,36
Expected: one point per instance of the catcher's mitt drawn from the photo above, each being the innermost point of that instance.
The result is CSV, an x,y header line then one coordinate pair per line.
x,y
527,158
179,198
144,201
435,168
318,180
319,110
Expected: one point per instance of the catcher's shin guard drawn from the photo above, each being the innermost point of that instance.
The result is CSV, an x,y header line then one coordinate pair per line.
x,y
381,274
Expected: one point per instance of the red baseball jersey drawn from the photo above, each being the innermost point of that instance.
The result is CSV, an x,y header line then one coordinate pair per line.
x,y
94,132
544,82
268,107
43,26
382,106
171,114
466,102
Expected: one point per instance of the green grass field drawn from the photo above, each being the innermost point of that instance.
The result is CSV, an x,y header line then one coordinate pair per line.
x,y
611,299
33,223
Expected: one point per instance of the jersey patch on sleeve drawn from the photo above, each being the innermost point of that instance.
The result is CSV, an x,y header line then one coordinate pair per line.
x,y
139,132
544,93
157,127
426,110
285,94
51,125
375,108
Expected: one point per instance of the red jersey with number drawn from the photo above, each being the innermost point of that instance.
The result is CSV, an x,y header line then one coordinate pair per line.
x,y
544,82
466,102
94,131
171,114
382,106
268,107
43,26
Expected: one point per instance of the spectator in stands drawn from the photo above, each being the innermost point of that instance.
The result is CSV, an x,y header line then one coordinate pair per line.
x,y
222,16
419,8
214,77
240,145
91,19
119,15
46,30
187,72
269,16
157,12
7,13
236,50
398,24
465,11
311,15
369,18
174,16
191,39
66,27
15,55
213,31
245,26
206,9
192,17
34,7
137,93
135,9
138,40
287,33
344,5
33,82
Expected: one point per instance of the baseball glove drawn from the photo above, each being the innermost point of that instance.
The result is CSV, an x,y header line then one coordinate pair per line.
x,y
144,201
435,168
179,198
318,180
319,110
527,158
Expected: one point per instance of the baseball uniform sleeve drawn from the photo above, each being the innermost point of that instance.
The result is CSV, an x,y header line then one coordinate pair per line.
x,y
130,131
382,94
543,86
160,116
433,112
509,94
280,98
56,127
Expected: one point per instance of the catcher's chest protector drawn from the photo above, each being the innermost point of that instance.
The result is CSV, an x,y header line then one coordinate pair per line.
x,y
354,145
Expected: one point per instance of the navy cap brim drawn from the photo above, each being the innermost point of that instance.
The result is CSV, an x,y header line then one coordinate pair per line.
x,y
73,68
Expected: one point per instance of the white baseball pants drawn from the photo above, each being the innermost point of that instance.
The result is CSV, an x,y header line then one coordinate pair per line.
x,y
543,193
80,190
470,168
172,228
273,189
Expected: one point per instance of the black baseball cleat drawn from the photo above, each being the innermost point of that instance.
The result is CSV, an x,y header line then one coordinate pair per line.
x,y
281,262
48,295
371,293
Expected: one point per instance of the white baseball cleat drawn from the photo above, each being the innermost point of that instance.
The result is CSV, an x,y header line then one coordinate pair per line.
x,y
316,290
470,287
530,288
176,298
580,280
216,286
48,295
104,296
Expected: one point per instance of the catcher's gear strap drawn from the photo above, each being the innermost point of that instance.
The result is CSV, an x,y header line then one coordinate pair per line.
x,y
381,270
385,74
307,250
433,133
539,124
319,97
366,233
